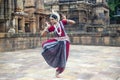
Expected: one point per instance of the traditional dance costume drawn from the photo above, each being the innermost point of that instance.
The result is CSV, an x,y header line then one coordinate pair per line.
x,y
56,50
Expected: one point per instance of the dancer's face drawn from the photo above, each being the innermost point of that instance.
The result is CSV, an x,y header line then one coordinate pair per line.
x,y
53,21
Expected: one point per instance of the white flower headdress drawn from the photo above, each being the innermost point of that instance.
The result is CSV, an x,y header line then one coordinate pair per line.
x,y
55,14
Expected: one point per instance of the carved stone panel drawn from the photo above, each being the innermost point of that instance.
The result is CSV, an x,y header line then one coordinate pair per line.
x,y
29,3
40,4
19,6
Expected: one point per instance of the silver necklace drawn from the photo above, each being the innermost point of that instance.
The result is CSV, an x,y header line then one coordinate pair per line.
x,y
58,27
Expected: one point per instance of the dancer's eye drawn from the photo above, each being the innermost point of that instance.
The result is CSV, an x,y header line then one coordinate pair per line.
x,y
51,19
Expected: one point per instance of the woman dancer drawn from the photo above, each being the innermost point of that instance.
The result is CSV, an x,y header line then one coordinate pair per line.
x,y
56,50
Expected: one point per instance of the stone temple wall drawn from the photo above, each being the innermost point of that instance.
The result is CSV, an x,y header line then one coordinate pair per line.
x,y
95,39
31,41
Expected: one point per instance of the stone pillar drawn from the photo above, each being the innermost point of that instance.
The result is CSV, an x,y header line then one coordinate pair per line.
x,y
10,8
16,24
1,9
21,25
81,16
43,22
2,25
33,26
13,5
40,22
37,23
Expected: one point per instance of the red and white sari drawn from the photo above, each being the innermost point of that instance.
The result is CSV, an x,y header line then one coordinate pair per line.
x,y
56,50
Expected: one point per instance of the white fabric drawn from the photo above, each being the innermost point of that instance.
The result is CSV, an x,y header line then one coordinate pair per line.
x,y
55,13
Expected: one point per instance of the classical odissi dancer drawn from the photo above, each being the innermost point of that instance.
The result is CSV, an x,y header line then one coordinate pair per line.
x,y
56,50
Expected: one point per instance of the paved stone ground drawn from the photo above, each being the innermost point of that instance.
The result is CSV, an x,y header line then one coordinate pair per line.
x,y
84,63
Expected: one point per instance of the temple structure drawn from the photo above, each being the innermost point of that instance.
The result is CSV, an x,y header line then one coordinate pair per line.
x,y
22,15
26,19
83,11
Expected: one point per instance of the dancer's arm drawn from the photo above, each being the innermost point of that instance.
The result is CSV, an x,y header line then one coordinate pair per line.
x,y
44,32
68,20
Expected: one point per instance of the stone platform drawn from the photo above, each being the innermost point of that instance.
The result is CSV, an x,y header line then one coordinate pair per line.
x,y
84,63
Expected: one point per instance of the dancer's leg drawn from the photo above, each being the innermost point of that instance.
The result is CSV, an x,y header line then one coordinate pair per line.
x,y
59,70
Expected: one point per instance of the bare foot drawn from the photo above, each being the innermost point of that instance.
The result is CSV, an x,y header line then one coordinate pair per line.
x,y
57,74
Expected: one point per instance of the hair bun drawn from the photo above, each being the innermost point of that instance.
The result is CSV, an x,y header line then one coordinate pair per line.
x,y
56,14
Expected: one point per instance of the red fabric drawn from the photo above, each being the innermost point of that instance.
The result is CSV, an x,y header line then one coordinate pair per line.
x,y
64,22
50,40
67,49
52,28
